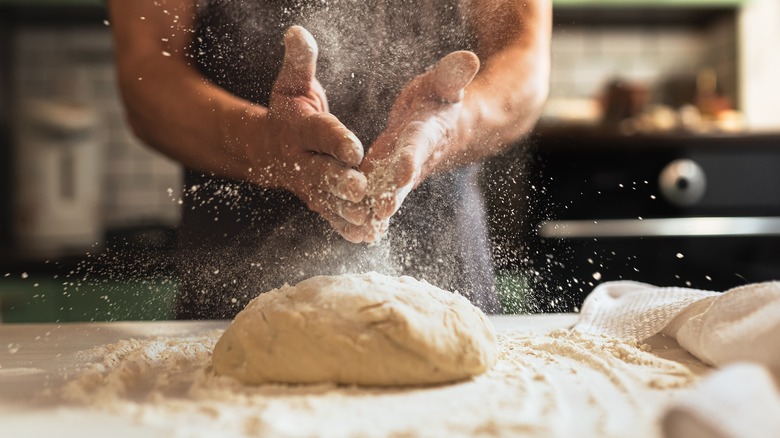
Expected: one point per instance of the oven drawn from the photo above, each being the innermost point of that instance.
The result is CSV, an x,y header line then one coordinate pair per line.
x,y
674,210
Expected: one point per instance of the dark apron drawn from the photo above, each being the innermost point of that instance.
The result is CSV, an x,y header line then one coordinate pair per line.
x,y
238,240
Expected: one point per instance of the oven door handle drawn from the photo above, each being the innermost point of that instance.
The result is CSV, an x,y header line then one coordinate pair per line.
x,y
666,227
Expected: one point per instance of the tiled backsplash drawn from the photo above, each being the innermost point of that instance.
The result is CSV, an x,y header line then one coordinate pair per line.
x,y
75,64
586,58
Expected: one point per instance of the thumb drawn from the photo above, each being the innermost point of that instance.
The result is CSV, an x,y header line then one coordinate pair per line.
x,y
452,74
299,66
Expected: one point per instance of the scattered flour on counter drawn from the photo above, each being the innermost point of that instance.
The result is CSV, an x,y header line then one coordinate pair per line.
x,y
563,383
20,371
140,370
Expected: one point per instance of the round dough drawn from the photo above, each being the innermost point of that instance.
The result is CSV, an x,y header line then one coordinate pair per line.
x,y
365,329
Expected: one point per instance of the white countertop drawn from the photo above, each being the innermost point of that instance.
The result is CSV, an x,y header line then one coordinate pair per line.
x,y
35,360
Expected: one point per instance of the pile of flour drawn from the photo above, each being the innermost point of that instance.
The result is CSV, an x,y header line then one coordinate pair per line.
x,y
562,383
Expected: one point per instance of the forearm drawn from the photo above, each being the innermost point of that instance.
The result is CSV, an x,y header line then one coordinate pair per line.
x,y
170,105
504,100
503,103
176,111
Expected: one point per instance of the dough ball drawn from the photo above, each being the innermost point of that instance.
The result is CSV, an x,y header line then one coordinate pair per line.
x,y
364,329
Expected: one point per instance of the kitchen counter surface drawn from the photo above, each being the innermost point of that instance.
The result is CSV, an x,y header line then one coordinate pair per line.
x,y
37,359
29,352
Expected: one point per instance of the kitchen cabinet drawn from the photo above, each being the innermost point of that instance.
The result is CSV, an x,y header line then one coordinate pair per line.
x,y
133,280
42,298
35,3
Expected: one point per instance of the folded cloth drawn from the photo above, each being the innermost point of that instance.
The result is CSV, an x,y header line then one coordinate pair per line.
x,y
741,324
739,401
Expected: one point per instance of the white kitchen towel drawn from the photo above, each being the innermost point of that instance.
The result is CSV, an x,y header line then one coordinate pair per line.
x,y
741,324
739,401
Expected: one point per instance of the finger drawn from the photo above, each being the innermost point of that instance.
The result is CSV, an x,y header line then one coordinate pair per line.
x,y
414,147
353,233
350,232
327,135
379,151
389,203
375,230
386,205
319,92
354,213
332,177
452,74
299,65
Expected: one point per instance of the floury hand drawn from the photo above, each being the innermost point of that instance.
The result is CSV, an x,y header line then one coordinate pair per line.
x,y
423,123
312,154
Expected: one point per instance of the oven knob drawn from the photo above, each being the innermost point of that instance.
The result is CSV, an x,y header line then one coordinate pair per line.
x,y
683,182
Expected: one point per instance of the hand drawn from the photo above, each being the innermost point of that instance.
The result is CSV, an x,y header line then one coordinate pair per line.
x,y
423,124
313,155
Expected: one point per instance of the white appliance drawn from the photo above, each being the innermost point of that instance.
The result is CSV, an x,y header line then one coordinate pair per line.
x,y
57,178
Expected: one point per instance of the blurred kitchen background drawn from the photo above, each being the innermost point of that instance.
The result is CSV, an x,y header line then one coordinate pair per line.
x,y
661,113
